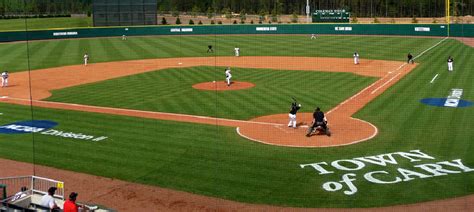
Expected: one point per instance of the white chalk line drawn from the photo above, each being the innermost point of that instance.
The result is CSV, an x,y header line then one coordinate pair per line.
x,y
357,94
383,85
267,143
150,112
434,78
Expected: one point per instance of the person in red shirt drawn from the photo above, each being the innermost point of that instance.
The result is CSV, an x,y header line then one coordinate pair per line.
x,y
70,204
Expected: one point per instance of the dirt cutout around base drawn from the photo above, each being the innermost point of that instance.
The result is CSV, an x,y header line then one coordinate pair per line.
x,y
222,86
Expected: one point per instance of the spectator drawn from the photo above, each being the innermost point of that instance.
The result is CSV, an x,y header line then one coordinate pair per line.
x,y
70,204
48,200
20,194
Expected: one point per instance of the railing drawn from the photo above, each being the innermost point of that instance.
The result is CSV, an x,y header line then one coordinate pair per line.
x,y
33,184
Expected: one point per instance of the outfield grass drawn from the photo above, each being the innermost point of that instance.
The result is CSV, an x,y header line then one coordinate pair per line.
x,y
43,23
215,161
171,91
44,54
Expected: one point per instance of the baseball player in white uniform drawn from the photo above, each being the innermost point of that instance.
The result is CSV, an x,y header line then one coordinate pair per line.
x,y
237,51
450,63
86,59
124,37
313,36
228,76
356,58
5,79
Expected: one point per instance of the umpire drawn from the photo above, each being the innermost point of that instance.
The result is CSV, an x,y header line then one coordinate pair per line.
x,y
319,120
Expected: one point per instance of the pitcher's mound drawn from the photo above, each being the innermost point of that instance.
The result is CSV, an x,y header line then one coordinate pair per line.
x,y
222,86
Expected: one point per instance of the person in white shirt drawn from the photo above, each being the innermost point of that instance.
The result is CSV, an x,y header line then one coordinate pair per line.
x,y
228,76
86,59
356,58
48,200
20,194
237,51
450,64
313,36
5,79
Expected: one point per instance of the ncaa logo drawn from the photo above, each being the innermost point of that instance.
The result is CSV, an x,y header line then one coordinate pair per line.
x,y
453,100
23,127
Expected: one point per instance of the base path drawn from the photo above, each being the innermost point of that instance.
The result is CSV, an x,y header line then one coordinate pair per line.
x,y
268,129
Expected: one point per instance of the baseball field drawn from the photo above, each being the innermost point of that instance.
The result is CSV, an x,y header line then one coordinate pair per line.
x,y
132,114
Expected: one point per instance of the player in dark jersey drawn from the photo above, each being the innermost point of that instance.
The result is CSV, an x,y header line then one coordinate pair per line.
x,y
410,58
209,49
319,121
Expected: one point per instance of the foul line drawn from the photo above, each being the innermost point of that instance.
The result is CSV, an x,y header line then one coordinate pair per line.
x,y
357,94
434,78
148,112
383,85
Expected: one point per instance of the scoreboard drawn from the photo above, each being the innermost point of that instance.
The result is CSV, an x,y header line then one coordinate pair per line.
x,y
321,16
124,12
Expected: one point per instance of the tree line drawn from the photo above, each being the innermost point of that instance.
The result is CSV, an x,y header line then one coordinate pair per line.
x,y
358,8
37,7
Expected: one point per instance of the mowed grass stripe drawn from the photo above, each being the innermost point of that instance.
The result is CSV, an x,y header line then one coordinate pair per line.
x,y
141,48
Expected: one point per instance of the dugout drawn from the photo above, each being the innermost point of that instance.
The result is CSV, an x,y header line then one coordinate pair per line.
x,y
124,12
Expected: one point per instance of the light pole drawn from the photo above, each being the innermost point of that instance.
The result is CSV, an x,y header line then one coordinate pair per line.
x,y
307,11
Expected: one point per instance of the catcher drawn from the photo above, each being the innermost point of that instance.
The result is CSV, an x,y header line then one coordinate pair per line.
x,y
319,123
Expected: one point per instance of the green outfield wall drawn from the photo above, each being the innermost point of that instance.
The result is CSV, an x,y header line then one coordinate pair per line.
x,y
456,30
